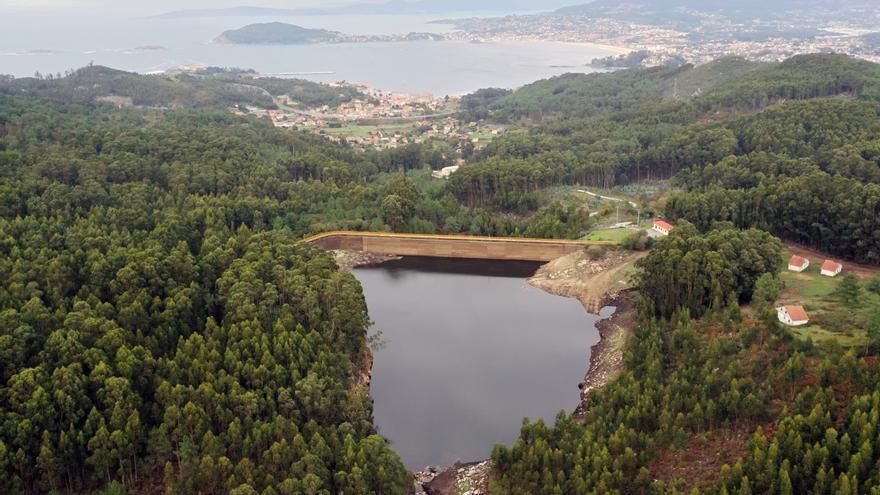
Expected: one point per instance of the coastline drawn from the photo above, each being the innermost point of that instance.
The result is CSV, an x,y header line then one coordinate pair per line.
x,y
618,50
441,38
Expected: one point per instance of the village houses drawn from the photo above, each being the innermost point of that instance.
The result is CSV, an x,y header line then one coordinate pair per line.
x,y
662,227
793,316
831,268
798,264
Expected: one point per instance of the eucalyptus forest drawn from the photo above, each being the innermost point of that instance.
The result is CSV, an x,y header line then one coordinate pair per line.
x,y
162,330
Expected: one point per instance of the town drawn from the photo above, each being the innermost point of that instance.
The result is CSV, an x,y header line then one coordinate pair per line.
x,y
380,119
713,37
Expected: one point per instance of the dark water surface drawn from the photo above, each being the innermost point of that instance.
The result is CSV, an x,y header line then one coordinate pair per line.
x,y
470,350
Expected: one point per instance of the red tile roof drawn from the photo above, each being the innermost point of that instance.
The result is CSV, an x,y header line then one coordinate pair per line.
x,y
797,261
831,266
797,313
664,225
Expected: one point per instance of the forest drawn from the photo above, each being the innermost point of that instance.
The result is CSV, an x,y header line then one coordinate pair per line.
x,y
207,87
161,327
791,148
729,403
160,324
714,398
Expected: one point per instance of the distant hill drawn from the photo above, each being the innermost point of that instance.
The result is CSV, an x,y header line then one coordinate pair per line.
x,y
688,14
278,33
445,6
683,10
242,11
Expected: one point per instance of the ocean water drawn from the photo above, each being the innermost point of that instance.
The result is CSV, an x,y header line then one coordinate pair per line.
x,y
51,44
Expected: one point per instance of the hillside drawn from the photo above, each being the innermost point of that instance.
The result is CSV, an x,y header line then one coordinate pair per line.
x,y
213,87
582,95
747,145
718,397
691,11
725,82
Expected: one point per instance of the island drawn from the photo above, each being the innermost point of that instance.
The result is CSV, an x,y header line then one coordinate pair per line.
x,y
280,33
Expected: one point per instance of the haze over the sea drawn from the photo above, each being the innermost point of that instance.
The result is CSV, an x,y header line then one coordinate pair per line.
x,y
150,45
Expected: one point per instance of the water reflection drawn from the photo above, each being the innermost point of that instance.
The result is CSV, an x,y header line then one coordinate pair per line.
x,y
470,350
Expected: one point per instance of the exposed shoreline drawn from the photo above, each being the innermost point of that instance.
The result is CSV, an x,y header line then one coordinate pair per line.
x,y
606,356
596,284
349,260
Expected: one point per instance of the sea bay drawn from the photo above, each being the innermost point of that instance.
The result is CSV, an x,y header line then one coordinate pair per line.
x,y
53,44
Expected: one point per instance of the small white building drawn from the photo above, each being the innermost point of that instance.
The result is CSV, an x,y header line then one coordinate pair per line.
x,y
445,172
798,264
831,268
793,316
664,228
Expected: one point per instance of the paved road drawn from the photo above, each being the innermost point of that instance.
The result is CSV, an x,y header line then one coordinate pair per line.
x,y
608,198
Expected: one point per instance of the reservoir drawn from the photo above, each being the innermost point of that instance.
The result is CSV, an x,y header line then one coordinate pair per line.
x,y
470,350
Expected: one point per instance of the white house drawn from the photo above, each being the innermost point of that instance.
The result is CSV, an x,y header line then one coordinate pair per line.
x,y
793,316
662,227
798,264
445,172
831,268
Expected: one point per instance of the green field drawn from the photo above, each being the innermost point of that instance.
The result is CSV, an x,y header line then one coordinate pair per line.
x,y
610,234
483,136
831,318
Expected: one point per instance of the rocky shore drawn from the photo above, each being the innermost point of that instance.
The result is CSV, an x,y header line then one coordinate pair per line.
x,y
596,283
606,357
461,479
349,260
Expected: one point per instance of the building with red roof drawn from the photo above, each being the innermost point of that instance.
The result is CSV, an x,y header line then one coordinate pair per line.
x,y
798,264
831,268
793,316
663,227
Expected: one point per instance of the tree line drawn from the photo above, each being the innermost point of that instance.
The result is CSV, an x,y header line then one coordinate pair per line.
x,y
654,135
729,403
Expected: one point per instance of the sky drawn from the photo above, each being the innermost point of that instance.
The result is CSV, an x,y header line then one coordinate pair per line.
x,y
155,6
139,8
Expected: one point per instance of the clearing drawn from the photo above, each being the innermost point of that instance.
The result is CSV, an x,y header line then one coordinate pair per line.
x,y
831,318
617,235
